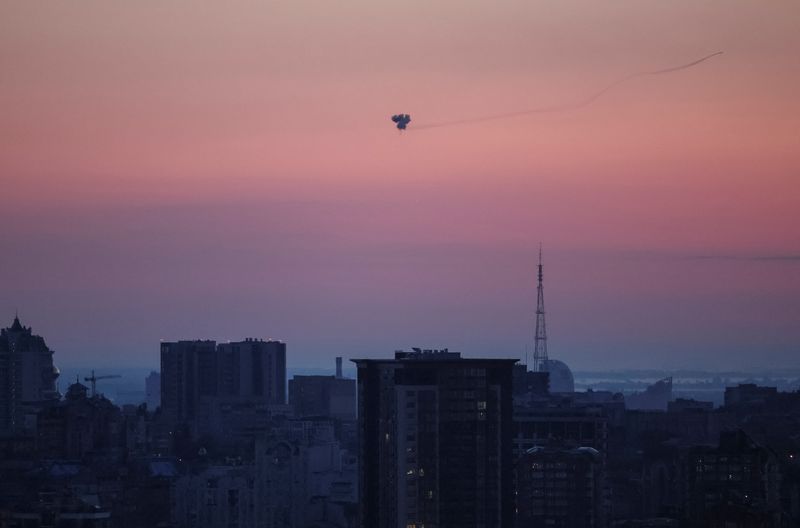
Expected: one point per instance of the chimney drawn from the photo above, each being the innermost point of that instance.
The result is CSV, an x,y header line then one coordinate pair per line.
x,y
338,367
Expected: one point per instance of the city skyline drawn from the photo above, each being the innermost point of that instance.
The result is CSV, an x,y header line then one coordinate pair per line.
x,y
218,171
373,264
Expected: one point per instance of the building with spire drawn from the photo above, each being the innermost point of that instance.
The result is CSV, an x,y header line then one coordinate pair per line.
x,y
27,375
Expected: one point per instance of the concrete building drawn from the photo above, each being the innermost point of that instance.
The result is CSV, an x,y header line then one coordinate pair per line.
x,y
325,396
152,390
200,380
299,477
748,394
253,369
569,426
216,497
733,485
561,487
27,376
189,371
435,439
80,427
530,386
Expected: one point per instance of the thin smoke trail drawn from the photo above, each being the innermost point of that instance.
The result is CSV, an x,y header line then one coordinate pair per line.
x,y
569,106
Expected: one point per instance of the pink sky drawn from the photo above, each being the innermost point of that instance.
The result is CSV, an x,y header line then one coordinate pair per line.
x,y
228,169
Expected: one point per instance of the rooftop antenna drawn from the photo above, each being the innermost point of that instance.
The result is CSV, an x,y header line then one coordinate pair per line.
x,y
540,339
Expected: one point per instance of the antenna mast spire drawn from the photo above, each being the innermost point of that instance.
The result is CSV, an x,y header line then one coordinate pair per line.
x,y
540,347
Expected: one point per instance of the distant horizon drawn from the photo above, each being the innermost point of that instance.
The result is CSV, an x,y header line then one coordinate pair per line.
x,y
755,372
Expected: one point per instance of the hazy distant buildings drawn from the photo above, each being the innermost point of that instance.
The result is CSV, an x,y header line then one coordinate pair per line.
x,y
27,375
748,394
689,405
152,390
653,398
435,441
325,396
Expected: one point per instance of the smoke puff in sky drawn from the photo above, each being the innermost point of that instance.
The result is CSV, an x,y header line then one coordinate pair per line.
x,y
401,120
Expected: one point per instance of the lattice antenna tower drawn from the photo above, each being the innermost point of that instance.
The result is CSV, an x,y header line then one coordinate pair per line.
x,y
540,340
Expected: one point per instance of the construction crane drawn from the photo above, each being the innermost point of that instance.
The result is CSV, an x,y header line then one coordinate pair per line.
x,y
94,379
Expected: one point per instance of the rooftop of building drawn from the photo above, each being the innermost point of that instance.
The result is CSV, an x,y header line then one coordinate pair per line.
x,y
443,355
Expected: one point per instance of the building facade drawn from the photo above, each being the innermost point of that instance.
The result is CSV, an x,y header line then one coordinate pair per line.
x,y
152,390
435,441
324,396
200,380
561,487
27,375
253,368
188,371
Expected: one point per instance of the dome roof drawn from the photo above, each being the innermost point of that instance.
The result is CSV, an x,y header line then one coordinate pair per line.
x,y
561,379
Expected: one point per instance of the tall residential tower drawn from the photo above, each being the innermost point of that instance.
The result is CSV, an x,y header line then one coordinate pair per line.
x,y
27,374
435,441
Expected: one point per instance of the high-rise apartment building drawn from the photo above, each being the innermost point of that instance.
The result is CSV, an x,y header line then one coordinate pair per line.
x,y
435,441
27,375
188,371
198,377
253,368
